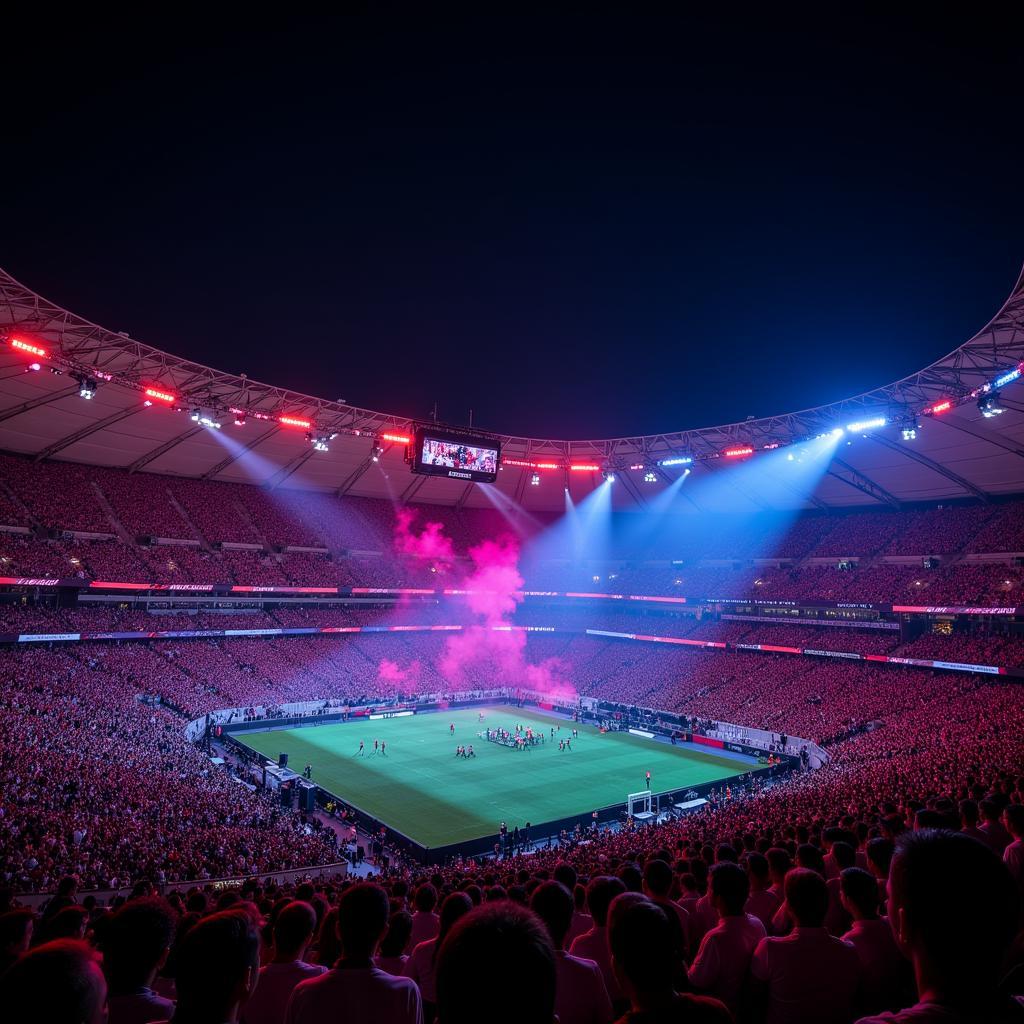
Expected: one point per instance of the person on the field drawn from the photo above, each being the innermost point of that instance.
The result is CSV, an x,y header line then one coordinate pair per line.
x,y
647,779
451,729
383,748
376,746
360,751
470,753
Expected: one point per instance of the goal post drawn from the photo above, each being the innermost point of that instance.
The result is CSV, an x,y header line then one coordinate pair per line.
x,y
638,805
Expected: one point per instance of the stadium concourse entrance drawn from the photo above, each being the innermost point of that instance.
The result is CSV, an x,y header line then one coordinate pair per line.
x,y
423,780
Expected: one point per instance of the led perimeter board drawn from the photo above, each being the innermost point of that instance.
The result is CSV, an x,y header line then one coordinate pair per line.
x,y
444,452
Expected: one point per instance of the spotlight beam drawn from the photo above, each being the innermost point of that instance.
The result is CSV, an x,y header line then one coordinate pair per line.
x,y
289,468
812,498
224,463
730,476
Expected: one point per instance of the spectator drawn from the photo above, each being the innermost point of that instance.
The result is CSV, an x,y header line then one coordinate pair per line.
x,y
656,887
642,942
762,902
1013,855
136,941
422,962
293,932
57,983
991,828
425,922
68,923
566,874
496,964
808,975
593,944
957,943
328,942
391,957
722,964
15,935
355,991
886,978
217,968
580,994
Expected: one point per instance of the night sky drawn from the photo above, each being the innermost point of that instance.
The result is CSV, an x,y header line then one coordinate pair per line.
x,y
576,227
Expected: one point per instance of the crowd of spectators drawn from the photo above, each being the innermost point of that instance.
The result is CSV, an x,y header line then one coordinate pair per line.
x,y
889,876
357,533
889,879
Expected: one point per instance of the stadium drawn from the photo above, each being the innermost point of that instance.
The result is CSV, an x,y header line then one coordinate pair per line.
x,y
314,711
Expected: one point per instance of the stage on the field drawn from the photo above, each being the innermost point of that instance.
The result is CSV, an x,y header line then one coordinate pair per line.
x,y
420,787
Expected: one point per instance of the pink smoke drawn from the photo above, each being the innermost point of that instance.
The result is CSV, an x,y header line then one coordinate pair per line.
x,y
430,543
394,678
488,652
495,586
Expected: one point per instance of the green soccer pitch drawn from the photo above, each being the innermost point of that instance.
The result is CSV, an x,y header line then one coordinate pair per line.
x,y
421,789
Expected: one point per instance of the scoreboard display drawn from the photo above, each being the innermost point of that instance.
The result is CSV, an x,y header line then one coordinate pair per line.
x,y
438,452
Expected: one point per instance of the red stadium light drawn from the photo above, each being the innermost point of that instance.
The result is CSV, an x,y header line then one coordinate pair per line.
x,y
24,346
397,438
160,396
584,467
733,453
294,421
940,407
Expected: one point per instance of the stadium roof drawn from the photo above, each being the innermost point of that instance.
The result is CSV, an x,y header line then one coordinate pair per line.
x,y
957,454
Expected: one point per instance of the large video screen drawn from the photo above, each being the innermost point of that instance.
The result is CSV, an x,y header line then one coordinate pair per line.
x,y
456,456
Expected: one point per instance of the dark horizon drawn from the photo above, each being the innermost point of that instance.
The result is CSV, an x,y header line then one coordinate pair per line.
x,y
576,228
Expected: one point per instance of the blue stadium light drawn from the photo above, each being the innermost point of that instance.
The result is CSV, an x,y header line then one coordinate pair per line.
x,y
863,425
679,460
1007,378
